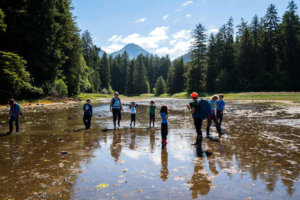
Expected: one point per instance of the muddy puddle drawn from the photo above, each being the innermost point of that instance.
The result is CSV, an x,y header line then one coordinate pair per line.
x,y
53,157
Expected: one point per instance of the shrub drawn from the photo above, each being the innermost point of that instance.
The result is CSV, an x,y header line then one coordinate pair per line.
x,y
60,88
13,74
29,91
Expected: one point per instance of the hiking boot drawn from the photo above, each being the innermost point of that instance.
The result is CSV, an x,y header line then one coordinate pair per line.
x,y
198,140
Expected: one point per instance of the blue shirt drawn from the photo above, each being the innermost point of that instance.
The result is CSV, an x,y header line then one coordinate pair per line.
x,y
212,105
220,105
116,103
15,110
163,118
88,109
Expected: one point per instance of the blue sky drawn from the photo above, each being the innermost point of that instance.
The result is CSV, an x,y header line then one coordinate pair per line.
x,y
161,26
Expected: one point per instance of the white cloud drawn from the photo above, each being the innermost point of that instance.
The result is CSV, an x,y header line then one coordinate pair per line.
x,y
179,45
212,29
178,49
188,15
115,38
165,17
140,20
182,34
155,38
112,48
157,41
187,3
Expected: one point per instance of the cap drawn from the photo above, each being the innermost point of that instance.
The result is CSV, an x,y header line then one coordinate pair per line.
x,y
194,95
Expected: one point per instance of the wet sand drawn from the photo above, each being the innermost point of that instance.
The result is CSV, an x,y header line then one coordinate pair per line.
x,y
53,157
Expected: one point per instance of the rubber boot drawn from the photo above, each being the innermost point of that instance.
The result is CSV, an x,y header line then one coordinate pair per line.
x,y
198,140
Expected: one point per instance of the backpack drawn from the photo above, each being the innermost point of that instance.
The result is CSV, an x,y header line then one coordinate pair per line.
x,y
113,101
203,109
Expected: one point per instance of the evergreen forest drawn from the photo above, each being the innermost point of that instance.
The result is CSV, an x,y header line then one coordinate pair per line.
x,y
43,53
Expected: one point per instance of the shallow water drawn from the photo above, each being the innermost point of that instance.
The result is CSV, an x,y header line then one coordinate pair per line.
x,y
257,158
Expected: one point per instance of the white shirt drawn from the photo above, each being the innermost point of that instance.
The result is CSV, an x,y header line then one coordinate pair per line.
x,y
132,110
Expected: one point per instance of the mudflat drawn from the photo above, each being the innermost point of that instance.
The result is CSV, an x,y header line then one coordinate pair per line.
x,y
53,157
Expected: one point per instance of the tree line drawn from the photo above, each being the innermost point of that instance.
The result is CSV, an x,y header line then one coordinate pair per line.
x,y
264,56
42,53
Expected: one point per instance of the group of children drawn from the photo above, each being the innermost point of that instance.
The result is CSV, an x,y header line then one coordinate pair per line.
x,y
217,106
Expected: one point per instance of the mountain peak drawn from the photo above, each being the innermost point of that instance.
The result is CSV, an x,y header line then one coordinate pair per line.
x,y
132,49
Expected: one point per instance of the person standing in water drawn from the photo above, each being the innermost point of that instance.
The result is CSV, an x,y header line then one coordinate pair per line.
x,y
115,108
194,108
152,113
220,108
164,113
87,114
132,107
212,116
14,114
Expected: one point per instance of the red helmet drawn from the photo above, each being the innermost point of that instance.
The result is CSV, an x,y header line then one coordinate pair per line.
x,y
194,95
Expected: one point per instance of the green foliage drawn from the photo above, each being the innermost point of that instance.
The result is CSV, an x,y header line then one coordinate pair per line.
x,y
91,56
13,74
29,91
2,24
196,73
160,86
139,77
60,88
44,32
105,72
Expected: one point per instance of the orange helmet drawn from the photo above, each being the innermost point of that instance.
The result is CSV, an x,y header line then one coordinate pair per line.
x,y
194,95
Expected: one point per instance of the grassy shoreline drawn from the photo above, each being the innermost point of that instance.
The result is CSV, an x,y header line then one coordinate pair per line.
x,y
265,96
293,97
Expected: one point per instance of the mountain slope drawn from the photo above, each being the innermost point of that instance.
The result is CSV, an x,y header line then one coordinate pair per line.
x,y
133,51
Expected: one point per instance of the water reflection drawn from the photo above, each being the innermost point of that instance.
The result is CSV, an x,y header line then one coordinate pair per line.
x,y
116,146
261,160
132,139
164,172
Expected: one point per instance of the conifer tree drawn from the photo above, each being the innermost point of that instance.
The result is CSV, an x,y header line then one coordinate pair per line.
x,y
129,80
104,72
139,75
195,76
160,86
179,79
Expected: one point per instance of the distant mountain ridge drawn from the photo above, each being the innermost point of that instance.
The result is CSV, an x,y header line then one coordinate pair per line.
x,y
132,49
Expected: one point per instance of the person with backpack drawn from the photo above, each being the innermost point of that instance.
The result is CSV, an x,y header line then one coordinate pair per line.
x,y
195,109
220,109
212,116
87,114
115,108
14,114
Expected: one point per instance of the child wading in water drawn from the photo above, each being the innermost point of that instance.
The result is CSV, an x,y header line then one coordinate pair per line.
x,y
212,116
152,113
14,114
220,108
87,114
164,124
132,107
